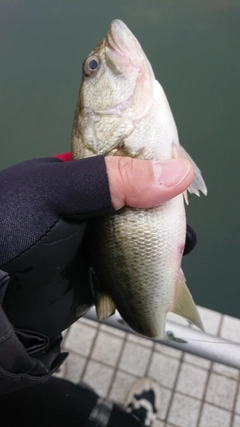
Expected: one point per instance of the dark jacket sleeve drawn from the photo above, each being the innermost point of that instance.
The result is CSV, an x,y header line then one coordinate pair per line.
x,y
26,358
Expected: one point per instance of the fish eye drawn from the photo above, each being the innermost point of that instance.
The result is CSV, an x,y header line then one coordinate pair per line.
x,y
91,65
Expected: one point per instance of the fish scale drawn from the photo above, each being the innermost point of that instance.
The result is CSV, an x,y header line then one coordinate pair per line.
x,y
136,253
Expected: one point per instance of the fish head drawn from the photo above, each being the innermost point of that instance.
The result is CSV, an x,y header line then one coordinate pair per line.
x,y
116,88
113,70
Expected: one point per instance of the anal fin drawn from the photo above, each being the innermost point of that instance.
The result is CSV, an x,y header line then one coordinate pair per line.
x,y
184,305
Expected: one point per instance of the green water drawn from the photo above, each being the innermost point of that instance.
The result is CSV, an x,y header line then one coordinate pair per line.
x,y
194,47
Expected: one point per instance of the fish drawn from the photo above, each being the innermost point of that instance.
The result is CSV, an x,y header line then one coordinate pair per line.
x,y
122,110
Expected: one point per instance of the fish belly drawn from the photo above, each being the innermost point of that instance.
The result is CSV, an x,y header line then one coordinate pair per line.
x,y
137,256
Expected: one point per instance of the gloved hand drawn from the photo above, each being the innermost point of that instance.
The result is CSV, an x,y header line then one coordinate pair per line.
x,y
44,207
44,265
44,287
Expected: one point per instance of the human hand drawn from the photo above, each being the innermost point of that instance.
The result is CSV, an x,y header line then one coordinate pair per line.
x,y
44,265
146,183
45,205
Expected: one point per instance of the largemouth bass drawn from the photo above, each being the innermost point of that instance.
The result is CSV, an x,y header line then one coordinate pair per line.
x,y
123,110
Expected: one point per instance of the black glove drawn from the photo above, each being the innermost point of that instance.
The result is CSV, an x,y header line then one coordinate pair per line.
x,y
191,240
44,205
44,268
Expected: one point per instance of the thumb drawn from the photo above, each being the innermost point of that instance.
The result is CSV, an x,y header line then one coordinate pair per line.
x,y
146,183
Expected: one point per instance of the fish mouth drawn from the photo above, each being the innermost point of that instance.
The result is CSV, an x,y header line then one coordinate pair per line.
x,y
125,57
120,39
123,51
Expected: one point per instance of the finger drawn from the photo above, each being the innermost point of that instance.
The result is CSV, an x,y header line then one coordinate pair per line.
x,y
191,240
146,183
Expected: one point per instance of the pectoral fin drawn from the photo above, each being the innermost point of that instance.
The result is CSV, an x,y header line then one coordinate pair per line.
x,y
105,306
198,183
184,305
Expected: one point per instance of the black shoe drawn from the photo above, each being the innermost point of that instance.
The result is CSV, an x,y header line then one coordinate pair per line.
x,y
143,401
